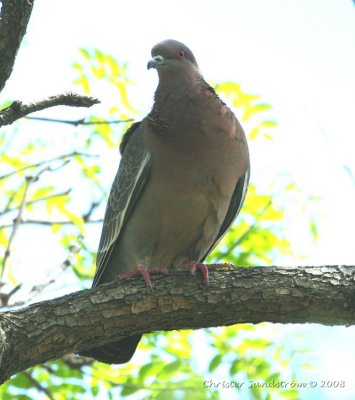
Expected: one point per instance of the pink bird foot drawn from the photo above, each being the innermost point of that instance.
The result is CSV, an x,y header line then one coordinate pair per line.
x,y
145,272
204,268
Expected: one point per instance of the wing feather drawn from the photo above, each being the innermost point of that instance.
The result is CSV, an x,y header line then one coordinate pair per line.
x,y
130,180
236,203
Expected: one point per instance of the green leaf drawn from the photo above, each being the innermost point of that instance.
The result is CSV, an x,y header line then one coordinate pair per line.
x,y
21,381
55,228
99,72
128,390
77,220
149,369
82,268
314,229
42,192
215,362
83,81
122,87
178,344
78,67
3,238
254,133
234,369
85,53
165,395
267,136
251,110
94,390
98,55
269,123
170,369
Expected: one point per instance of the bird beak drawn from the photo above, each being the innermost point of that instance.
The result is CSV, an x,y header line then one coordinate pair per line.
x,y
156,62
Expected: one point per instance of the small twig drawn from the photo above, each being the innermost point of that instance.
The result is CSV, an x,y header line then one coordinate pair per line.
x,y
87,215
38,164
17,222
9,202
38,386
48,168
44,198
80,121
244,235
17,109
51,223
53,275
349,172
49,279
5,297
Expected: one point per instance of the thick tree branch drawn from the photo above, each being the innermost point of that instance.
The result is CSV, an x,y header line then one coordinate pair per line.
x,y
14,17
17,109
81,320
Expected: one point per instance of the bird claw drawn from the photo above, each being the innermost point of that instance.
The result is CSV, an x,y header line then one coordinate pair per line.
x,y
145,272
204,268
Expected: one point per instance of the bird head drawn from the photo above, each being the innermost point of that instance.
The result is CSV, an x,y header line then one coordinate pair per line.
x,y
172,57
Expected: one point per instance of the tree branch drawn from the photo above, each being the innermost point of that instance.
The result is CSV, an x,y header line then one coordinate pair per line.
x,y
16,224
53,275
44,198
51,223
38,386
5,297
88,318
241,238
17,109
81,121
14,17
38,164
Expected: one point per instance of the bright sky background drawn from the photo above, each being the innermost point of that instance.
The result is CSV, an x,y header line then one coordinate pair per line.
x,y
298,55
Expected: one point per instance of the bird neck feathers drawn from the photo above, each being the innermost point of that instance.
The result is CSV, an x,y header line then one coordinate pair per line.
x,y
176,98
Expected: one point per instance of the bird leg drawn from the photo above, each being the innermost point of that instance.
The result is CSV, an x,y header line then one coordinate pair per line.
x,y
193,266
145,272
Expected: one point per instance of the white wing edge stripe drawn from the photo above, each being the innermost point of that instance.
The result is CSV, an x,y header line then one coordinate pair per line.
x,y
244,191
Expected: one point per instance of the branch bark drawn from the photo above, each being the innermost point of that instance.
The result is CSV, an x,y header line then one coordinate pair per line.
x,y
88,318
14,17
17,109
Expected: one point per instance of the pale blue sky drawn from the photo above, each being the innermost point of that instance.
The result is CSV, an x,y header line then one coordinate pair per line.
x,y
298,55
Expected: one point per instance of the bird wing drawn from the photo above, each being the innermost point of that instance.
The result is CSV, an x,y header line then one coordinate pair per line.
x,y
236,203
127,186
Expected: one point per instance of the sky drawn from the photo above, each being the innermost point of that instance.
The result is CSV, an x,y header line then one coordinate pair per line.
x,y
297,55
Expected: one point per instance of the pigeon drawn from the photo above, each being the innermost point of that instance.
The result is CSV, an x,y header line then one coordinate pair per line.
x,y
181,182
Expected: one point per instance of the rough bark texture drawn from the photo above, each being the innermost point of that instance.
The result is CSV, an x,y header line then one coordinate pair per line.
x,y
14,15
78,321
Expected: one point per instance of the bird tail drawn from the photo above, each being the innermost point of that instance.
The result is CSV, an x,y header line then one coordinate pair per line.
x,y
118,352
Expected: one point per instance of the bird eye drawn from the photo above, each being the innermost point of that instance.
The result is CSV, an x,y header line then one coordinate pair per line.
x,y
180,54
